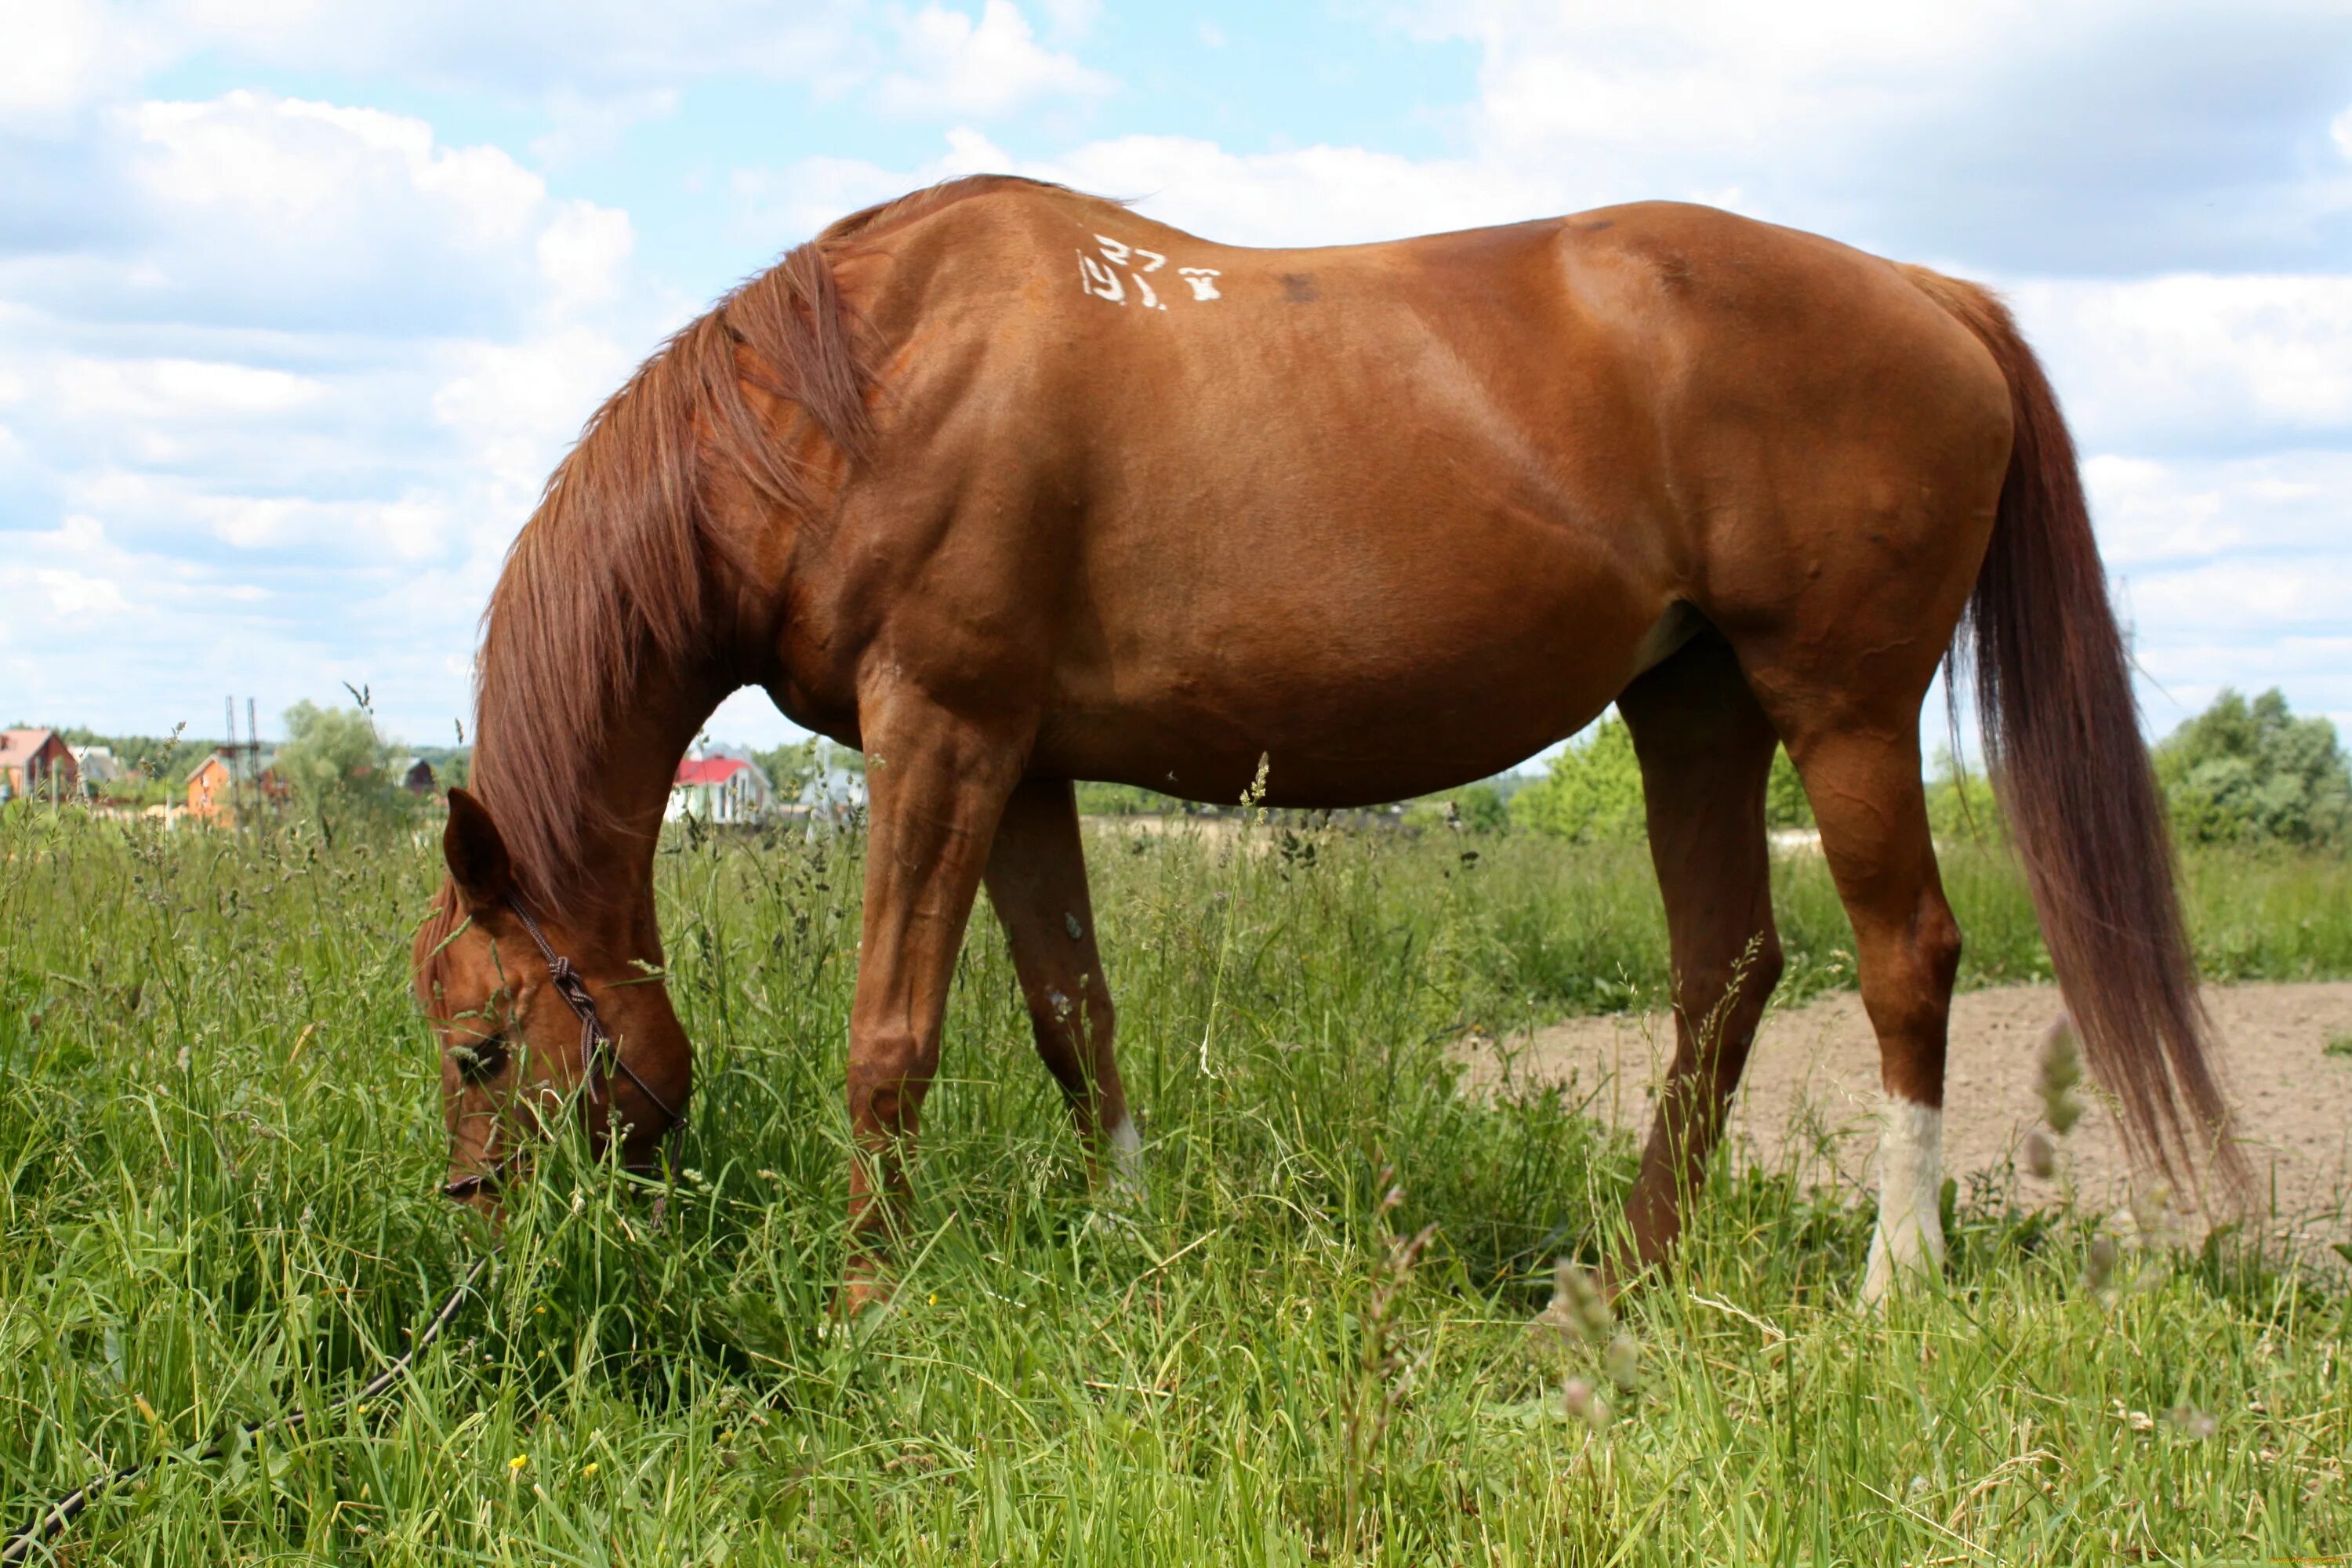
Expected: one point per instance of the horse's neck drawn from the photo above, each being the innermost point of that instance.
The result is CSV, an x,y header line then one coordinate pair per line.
x,y
651,727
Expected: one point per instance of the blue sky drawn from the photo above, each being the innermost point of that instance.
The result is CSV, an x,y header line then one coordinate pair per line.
x,y
299,302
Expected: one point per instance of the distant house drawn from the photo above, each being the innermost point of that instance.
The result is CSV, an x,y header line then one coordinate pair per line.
x,y
720,788
232,779
35,763
98,765
416,777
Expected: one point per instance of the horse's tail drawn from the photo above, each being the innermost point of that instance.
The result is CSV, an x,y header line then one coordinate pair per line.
x,y
2062,740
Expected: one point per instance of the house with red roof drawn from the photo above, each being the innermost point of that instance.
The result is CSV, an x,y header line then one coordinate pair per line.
x,y
37,763
716,788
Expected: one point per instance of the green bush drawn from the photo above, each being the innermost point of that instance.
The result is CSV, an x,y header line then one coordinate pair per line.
x,y
1592,792
2252,772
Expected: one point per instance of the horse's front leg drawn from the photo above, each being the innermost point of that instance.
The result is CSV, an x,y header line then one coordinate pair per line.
x,y
935,785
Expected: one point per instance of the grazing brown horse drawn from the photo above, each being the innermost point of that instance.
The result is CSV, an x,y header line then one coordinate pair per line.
x,y
1006,486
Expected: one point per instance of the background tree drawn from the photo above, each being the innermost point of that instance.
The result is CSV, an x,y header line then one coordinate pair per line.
x,y
336,764
1592,790
2253,773
1785,804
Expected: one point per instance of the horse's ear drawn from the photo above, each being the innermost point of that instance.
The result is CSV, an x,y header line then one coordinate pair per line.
x,y
476,853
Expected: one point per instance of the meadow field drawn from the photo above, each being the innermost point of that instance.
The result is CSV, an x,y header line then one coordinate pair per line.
x,y
221,1146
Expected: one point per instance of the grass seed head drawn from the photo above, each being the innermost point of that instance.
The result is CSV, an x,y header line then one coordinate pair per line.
x,y
1579,1307
2062,1069
2041,1156
1623,1361
1585,1404
2099,1262
2191,1422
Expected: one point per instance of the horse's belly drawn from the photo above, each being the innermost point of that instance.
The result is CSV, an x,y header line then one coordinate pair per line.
x,y
1370,679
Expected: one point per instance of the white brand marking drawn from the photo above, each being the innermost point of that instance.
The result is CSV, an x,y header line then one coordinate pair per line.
x,y
1203,280
1096,277
1099,276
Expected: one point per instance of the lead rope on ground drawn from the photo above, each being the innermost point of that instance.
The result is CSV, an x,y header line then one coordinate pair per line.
x,y
66,1508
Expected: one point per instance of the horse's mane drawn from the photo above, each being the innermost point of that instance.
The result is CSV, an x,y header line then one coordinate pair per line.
x,y
613,567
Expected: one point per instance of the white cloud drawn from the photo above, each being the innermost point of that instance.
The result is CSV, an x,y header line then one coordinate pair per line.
x,y
294,403
176,389
2079,136
2169,512
60,57
957,66
526,46
2257,600
2199,360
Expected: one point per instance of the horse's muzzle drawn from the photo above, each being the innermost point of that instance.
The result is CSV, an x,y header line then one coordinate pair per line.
x,y
466,1189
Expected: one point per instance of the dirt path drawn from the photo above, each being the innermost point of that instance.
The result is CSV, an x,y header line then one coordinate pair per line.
x,y
1812,1091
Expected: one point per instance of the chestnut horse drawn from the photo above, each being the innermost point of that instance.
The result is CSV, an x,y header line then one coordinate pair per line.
x,y
1006,486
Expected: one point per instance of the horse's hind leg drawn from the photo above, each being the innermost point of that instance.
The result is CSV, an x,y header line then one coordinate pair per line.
x,y
1706,748
1037,881
1864,781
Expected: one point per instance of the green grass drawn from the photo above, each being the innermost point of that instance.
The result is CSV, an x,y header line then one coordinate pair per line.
x,y
220,1146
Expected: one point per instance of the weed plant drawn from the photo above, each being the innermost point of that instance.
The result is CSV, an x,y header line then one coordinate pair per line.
x,y
1309,1343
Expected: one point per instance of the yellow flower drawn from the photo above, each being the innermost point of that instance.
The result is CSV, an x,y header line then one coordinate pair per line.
x,y
589,1468
518,1462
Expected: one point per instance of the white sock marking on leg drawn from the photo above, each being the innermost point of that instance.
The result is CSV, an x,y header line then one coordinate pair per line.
x,y
1127,1156
1910,1232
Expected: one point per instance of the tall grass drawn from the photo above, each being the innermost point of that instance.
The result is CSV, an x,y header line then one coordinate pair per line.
x,y
219,1140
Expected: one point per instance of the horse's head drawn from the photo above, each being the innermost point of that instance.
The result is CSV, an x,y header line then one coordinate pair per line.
x,y
536,1014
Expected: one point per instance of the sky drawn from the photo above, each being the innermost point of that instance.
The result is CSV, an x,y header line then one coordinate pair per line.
x,y
301,302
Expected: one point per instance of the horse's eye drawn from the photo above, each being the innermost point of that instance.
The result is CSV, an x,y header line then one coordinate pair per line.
x,y
478,1061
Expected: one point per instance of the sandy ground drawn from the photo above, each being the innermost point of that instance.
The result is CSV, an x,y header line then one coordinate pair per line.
x,y
1812,1092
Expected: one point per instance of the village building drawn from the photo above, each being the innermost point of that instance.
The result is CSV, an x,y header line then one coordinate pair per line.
x,y
232,779
98,765
719,789
35,763
416,777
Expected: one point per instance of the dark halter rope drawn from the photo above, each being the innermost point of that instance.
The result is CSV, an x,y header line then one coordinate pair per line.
x,y
68,1508
599,1056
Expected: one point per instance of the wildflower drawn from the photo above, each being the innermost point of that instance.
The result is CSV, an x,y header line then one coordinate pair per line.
x,y
588,1469
515,1465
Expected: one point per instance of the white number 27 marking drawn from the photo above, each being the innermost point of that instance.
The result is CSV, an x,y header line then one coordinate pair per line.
x,y
1101,278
